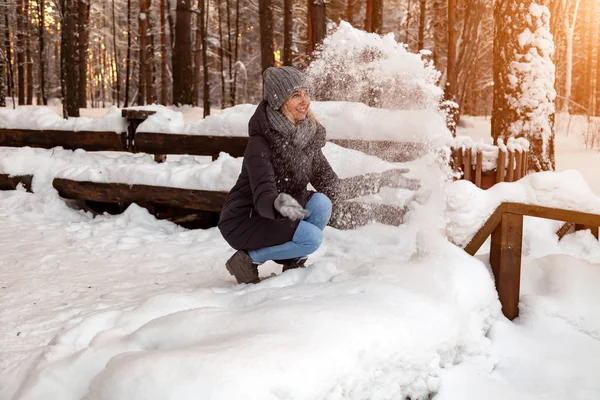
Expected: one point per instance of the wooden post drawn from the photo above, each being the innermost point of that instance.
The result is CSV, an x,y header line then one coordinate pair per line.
x,y
511,166
519,168
505,259
501,166
525,161
467,164
460,161
582,227
478,168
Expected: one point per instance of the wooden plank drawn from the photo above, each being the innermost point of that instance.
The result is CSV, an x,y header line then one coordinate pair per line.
x,y
501,166
47,139
199,145
467,164
505,260
567,226
511,167
519,167
136,114
478,168
485,231
526,164
557,214
142,194
8,182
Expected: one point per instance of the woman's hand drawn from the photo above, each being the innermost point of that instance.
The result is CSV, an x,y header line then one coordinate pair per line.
x,y
395,178
289,207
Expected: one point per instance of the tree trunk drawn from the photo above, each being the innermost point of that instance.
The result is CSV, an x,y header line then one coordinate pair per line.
x,y
569,29
265,13
421,44
116,55
407,25
9,77
128,57
28,59
368,16
182,56
439,33
69,67
42,20
237,47
21,51
84,14
221,56
287,31
198,53
524,87
163,52
143,23
149,55
590,86
377,18
450,90
229,53
204,29
350,12
318,21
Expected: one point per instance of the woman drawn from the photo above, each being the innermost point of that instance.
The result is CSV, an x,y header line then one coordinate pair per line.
x,y
269,214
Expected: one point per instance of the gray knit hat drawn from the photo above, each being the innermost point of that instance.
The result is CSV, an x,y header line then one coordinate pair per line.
x,y
280,83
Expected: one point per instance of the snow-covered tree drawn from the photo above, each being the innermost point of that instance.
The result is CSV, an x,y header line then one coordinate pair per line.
x,y
524,78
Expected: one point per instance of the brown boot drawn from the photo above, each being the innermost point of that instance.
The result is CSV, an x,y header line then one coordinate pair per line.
x,y
292,264
240,265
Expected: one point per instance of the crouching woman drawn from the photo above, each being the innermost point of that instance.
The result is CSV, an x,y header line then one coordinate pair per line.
x,y
269,214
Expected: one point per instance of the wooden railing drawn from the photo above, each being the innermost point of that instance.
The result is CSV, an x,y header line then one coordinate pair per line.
x,y
510,166
505,226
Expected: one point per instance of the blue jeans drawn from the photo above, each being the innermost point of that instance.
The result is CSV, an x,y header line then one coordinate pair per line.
x,y
308,235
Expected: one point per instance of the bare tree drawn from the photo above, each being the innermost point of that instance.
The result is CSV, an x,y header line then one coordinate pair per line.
x,y
29,61
128,57
204,29
422,11
182,58
21,51
287,31
69,66
569,21
163,53
267,48
42,72
83,39
450,89
116,55
143,54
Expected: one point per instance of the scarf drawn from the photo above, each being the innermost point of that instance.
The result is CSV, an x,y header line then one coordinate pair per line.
x,y
300,135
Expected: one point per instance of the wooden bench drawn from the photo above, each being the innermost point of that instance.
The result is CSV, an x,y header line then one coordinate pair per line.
x,y
194,208
505,226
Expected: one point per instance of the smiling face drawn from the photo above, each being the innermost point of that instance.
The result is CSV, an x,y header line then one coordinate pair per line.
x,y
296,106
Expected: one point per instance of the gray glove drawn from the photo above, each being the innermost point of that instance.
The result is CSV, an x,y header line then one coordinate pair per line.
x,y
395,178
289,207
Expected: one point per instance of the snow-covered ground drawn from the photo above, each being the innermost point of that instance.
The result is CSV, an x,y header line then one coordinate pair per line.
x,y
129,307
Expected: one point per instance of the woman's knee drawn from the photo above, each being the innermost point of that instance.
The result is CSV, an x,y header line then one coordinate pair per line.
x,y
308,236
323,203
320,208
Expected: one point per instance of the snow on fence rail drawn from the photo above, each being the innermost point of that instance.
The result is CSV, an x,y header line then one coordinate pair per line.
x,y
486,164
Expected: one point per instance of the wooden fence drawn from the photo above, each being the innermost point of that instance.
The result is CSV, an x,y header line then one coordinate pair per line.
x,y
510,166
